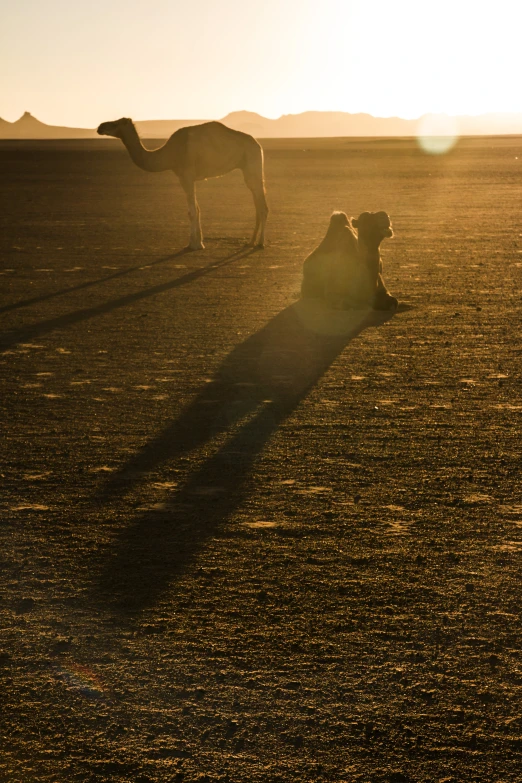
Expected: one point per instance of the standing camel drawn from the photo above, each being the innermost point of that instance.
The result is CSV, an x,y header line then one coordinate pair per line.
x,y
199,152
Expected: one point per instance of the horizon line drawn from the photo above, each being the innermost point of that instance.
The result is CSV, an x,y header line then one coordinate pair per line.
x,y
282,116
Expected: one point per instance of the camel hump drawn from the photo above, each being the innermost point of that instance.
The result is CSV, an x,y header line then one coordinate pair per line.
x,y
211,149
215,133
339,232
339,219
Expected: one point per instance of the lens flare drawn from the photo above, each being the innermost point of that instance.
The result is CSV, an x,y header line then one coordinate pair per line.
x,y
81,679
437,133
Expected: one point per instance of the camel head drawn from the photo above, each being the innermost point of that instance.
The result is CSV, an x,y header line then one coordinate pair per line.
x,y
373,226
116,128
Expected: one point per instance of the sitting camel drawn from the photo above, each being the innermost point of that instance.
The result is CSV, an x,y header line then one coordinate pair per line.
x,y
345,270
199,152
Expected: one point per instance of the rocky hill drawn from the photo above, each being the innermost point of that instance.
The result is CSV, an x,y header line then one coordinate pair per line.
x,y
308,124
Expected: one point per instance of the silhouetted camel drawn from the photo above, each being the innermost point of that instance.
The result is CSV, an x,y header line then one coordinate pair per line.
x,y
196,153
345,270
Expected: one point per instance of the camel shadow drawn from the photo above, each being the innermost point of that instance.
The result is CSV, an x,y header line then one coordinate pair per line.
x,y
34,331
89,283
256,388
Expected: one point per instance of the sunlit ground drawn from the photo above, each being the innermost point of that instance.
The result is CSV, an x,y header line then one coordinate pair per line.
x,y
242,541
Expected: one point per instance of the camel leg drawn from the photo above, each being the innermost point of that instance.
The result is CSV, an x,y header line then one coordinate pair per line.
x,y
196,237
383,299
254,182
261,218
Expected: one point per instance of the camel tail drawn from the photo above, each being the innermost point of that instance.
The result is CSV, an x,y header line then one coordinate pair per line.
x,y
254,174
262,165
253,161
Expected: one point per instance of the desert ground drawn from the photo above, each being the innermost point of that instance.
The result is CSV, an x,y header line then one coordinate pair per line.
x,y
245,539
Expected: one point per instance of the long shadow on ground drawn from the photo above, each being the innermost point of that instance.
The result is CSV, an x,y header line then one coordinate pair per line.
x,y
257,386
69,319
90,283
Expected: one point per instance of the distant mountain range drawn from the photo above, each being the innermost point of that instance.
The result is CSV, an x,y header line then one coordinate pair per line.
x,y
306,125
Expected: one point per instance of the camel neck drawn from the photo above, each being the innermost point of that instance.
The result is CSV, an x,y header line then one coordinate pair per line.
x,y
371,245
370,255
148,160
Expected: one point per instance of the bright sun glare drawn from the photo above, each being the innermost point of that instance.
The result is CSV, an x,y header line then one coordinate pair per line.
x,y
80,64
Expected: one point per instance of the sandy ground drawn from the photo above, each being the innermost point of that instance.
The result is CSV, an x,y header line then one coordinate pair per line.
x,y
243,539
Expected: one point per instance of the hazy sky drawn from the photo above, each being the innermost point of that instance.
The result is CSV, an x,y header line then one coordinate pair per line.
x,y
79,63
